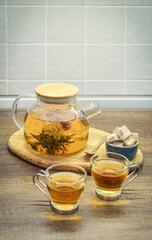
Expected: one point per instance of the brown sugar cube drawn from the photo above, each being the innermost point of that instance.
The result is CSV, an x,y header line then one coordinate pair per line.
x,y
118,144
123,133
129,141
134,136
116,129
112,138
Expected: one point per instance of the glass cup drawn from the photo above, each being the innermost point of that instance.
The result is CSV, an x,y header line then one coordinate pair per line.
x,y
110,172
65,184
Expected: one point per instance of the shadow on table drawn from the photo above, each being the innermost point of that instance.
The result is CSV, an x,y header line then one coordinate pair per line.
x,y
56,222
64,223
107,209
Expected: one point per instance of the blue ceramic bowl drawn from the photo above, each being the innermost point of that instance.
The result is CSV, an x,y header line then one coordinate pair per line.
x,y
128,152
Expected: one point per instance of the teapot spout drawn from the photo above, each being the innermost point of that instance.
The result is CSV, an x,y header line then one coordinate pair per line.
x,y
91,110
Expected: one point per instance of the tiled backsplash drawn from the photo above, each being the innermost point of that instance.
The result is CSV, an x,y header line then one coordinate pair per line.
x,y
102,46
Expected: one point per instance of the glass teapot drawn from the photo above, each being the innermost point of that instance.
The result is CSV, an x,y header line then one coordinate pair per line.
x,y
56,123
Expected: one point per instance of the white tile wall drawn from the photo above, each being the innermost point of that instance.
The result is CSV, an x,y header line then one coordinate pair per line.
x,y
105,87
139,25
24,86
2,87
66,62
26,25
2,62
67,2
106,2
139,62
102,46
106,62
66,25
2,2
2,25
139,87
25,2
26,62
140,2
106,25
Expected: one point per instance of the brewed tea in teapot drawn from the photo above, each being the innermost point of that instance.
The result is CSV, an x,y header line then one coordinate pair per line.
x,y
56,124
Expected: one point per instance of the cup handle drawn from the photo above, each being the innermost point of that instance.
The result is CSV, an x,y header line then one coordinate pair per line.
x,y
133,173
37,176
16,119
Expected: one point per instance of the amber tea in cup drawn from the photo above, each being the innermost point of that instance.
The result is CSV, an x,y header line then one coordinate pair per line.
x,y
110,171
65,184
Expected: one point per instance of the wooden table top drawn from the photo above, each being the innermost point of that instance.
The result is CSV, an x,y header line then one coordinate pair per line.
x,y
26,214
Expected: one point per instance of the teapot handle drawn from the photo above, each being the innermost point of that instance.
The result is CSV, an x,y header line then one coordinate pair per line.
x,y
16,119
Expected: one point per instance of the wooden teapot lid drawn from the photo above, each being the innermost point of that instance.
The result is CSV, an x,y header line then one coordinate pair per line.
x,y
56,90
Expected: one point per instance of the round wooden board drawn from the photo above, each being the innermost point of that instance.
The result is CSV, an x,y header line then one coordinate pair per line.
x,y
18,146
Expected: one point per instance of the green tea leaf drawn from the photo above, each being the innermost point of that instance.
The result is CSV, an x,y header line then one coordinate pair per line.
x,y
51,143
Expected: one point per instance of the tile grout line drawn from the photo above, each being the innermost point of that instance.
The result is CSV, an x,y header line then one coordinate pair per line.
x,y
79,44
6,51
46,28
86,49
94,96
78,6
125,39
81,80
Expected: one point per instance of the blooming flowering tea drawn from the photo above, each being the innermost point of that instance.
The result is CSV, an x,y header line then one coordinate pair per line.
x,y
51,137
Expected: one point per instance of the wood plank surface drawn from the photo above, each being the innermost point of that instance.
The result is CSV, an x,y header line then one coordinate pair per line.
x,y
17,145
25,213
